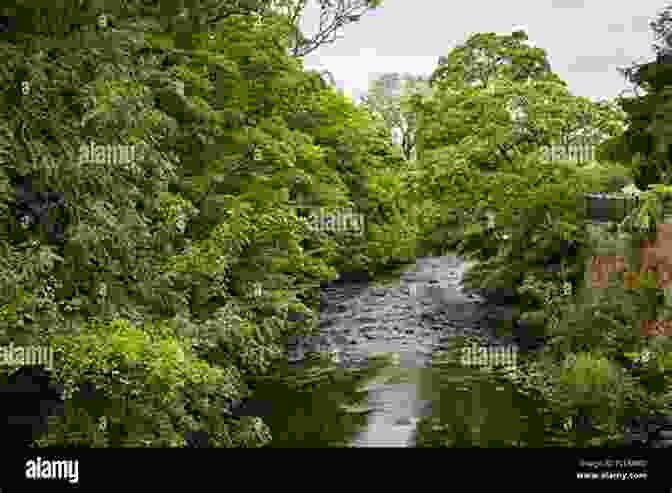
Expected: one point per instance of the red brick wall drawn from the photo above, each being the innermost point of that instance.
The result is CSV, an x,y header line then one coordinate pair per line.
x,y
656,256
602,266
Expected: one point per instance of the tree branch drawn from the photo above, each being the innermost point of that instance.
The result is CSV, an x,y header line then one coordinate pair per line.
x,y
345,12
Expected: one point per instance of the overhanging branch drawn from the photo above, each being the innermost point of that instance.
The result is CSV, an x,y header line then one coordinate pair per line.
x,y
334,14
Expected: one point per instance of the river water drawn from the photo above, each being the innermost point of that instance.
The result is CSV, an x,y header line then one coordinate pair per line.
x,y
387,383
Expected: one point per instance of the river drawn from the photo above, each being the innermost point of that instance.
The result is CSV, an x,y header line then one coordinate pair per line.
x,y
388,383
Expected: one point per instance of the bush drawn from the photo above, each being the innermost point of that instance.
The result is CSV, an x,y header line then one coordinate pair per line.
x,y
606,326
129,386
589,379
609,176
573,414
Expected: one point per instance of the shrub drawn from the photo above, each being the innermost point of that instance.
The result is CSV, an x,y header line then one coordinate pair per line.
x,y
606,325
588,378
585,399
142,387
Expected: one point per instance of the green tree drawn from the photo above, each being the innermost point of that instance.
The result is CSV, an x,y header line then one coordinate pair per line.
x,y
486,57
389,96
228,129
646,143
182,232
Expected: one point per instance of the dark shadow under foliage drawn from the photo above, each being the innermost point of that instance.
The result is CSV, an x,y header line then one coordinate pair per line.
x,y
35,210
28,398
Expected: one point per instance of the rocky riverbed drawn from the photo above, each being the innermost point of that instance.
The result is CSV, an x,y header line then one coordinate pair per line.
x,y
420,313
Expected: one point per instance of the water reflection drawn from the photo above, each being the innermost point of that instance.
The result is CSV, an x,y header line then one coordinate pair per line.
x,y
395,407
472,408
318,405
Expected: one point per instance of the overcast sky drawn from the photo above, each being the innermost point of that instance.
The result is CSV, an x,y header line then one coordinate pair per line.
x,y
586,40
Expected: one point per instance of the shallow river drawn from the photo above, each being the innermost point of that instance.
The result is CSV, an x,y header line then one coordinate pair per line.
x,y
386,385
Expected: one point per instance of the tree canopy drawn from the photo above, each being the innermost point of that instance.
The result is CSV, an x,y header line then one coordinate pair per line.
x,y
201,236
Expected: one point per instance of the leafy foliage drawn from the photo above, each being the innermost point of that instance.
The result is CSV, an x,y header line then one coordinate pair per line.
x,y
390,98
141,389
179,267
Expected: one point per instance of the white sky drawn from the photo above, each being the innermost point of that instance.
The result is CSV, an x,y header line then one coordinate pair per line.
x,y
585,40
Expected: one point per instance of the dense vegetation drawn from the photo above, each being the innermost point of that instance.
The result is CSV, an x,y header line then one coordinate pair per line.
x,y
179,274
178,270
534,253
